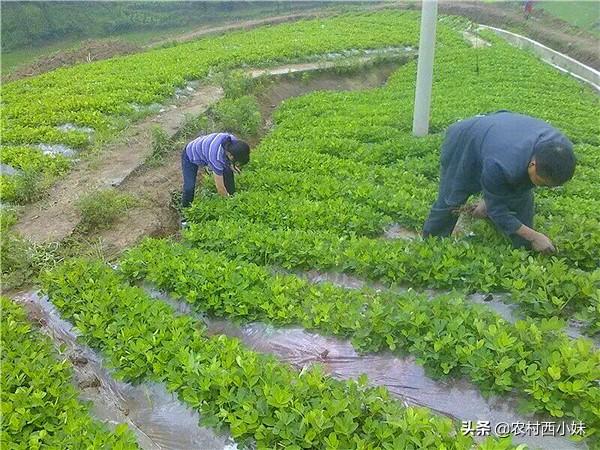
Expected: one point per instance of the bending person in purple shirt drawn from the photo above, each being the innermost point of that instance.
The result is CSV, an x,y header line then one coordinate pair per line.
x,y
221,153
504,156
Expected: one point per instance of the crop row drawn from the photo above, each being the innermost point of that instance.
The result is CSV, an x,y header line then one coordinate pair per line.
x,y
339,167
396,176
318,137
448,335
255,396
29,162
354,198
40,405
542,287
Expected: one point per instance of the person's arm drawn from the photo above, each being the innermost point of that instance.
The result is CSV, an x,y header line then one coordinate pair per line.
x,y
539,241
496,194
220,184
218,169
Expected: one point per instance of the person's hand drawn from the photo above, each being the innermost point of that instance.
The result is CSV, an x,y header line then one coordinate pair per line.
x,y
477,210
480,210
541,243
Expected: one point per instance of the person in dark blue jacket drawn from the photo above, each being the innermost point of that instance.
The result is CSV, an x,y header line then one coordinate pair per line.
x,y
504,155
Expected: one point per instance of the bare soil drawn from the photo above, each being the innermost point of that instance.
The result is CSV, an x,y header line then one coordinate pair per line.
x,y
88,51
122,162
243,25
55,217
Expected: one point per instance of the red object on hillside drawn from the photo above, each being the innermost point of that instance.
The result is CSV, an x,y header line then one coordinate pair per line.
x,y
528,9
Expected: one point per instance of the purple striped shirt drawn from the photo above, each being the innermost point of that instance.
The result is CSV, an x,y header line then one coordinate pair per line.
x,y
208,151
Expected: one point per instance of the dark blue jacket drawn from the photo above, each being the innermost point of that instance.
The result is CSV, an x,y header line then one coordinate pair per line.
x,y
491,154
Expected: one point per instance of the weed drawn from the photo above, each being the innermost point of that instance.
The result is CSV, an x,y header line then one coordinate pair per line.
x,y
235,83
192,127
22,260
101,208
14,261
8,217
162,144
239,115
25,186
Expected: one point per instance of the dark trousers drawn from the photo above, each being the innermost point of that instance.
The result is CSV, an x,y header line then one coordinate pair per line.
x,y
443,215
190,173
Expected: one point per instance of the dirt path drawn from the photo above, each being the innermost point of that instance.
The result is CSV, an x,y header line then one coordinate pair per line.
x,y
244,25
86,52
55,217
121,164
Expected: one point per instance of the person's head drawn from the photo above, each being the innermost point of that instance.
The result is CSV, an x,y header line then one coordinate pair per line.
x,y
238,153
553,164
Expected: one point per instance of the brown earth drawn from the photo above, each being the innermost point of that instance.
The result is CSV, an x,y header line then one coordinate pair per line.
x,y
244,25
88,51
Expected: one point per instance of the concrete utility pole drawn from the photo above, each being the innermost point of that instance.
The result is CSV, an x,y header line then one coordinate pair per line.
x,y
425,68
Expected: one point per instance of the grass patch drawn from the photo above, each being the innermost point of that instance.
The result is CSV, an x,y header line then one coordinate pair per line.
x,y
238,115
8,217
162,145
582,14
22,260
24,187
102,208
235,83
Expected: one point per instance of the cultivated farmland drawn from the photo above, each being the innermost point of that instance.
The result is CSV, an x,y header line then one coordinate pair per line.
x,y
329,178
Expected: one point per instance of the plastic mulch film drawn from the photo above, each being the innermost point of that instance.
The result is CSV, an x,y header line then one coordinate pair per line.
x,y
156,416
403,377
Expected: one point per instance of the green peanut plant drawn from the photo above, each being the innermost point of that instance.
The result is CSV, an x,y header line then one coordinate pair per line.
x,y
448,335
40,406
256,397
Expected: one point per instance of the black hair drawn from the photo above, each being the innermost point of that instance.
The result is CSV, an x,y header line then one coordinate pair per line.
x,y
239,150
555,161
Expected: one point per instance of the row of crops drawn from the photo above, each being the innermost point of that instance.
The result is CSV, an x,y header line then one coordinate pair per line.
x,y
40,406
337,169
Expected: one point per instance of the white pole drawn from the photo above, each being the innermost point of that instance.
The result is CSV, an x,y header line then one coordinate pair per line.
x,y
425,68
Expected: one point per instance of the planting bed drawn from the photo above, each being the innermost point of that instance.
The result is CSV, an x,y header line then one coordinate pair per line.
x,y
336,173
402,376
40,408
255,396
446,334
156,417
